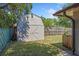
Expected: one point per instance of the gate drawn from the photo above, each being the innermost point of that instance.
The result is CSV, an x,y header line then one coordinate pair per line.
x,y
5,36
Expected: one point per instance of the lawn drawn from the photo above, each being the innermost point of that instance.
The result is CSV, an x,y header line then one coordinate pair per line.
x,y
44,47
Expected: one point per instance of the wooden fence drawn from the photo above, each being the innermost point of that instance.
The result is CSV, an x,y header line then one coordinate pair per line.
x,y
57,31
65,32
67,41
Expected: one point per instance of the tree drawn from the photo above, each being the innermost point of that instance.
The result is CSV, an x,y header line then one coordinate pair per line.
x,y
48,22
10,14
64,22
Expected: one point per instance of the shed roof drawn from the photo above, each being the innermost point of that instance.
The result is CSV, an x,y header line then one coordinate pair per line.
x,y
75,5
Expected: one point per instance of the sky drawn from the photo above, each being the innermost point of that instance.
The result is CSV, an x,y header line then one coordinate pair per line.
x,y
46,9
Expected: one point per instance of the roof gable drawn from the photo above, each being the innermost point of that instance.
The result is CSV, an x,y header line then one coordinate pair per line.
x,y
60,12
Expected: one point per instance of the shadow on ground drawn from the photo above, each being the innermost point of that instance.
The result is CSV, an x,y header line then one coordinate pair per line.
x,y
30,49
51,46
61,46
65,51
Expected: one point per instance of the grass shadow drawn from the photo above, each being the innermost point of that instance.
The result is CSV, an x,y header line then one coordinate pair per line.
x,y
62,47
30,49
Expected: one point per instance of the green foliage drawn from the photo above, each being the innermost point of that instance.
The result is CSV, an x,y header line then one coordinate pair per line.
x,y
48,22
29,8
21,7
60,21
9,18
64,22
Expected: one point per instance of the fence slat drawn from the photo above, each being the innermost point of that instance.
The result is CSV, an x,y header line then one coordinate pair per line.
x,y
5,36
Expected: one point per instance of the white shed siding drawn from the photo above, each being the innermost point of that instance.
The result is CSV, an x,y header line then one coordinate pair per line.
x,y
35,30
35,20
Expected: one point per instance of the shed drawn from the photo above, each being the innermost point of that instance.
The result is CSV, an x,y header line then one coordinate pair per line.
x,y
30,27
72,12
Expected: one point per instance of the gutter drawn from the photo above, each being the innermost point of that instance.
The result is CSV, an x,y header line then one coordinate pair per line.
x,y
73,21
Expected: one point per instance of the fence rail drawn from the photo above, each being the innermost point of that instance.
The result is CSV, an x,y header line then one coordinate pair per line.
x,y
57,31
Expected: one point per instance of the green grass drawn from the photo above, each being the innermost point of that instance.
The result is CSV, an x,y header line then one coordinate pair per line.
x,y
44,47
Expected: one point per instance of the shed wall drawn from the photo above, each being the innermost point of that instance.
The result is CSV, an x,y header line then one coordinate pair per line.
x,y
32,26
